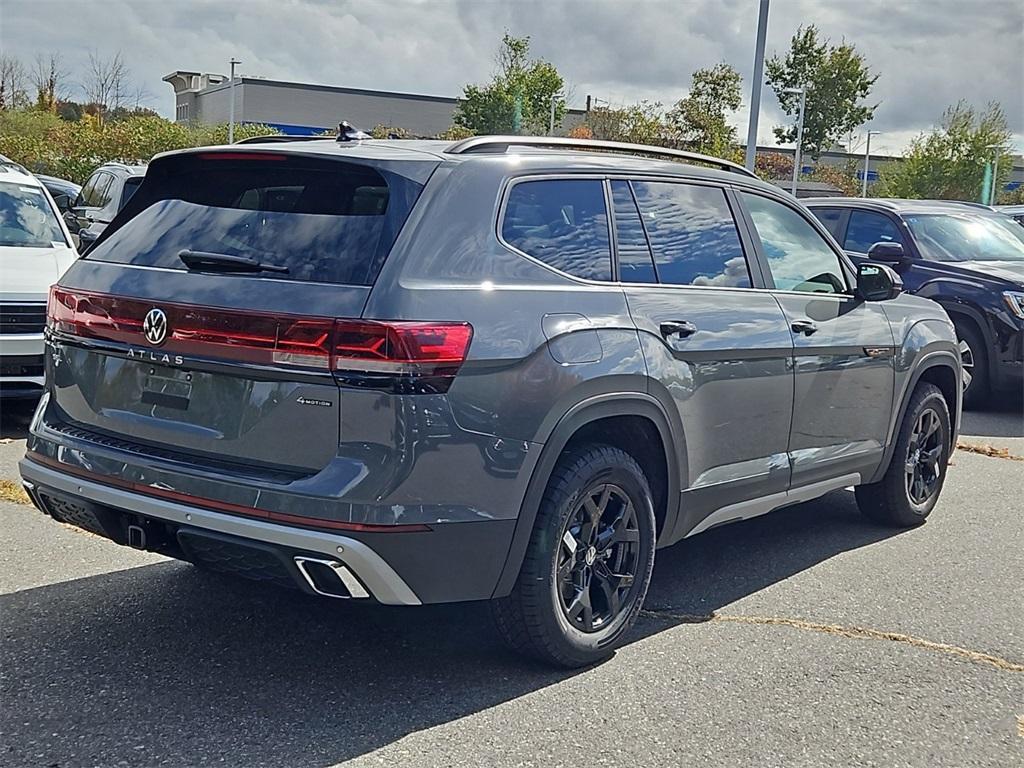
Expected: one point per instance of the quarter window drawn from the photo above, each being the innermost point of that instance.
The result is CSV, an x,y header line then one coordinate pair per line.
x,y
867,228
692,234
562,222
635,263
798,257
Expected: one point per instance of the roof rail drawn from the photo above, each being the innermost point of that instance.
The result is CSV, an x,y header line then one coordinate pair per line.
x,y
502,144
274,138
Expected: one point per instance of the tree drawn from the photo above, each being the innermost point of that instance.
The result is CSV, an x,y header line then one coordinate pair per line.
x,y
49,77
107,82
701,119
519,95
949,163
836,79
641,123
12,83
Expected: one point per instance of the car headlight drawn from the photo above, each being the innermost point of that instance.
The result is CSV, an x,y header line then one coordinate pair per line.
x,y
1015,301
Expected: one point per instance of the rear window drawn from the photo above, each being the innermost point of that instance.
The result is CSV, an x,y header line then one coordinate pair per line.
x,y
325,221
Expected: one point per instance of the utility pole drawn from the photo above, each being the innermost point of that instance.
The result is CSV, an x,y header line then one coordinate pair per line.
x,y
551,121
867,163
231,109
755,85
799,135
995,173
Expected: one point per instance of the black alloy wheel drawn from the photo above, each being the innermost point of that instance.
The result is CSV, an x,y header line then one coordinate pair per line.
x,y
599,556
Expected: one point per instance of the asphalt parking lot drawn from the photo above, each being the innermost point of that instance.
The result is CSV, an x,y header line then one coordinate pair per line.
x,y
804,638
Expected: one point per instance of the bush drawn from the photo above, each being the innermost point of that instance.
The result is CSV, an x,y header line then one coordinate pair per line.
x,y
44,143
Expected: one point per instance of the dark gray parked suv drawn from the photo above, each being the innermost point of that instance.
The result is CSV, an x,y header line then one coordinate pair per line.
x,y
506,369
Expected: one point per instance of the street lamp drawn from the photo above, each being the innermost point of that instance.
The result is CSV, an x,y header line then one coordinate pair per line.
x,y
231,109
755,86
799,134
867,163
551,122
995,172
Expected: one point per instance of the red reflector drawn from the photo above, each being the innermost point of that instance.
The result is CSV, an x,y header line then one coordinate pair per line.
x,y
431,344
239,156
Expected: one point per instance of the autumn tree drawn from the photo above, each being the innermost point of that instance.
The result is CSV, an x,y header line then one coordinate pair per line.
x,y
949,162
519,96
49,78
701,120
640,123
837,81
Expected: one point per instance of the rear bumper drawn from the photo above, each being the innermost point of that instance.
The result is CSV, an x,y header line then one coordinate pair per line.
x,y
452,562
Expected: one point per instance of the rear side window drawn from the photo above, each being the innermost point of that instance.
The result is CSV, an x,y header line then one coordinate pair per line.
x,y
635,263
325,221
130,185
832,218
867,228
562,222
692,233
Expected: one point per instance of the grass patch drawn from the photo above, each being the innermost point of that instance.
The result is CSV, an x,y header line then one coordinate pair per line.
x,y
12,491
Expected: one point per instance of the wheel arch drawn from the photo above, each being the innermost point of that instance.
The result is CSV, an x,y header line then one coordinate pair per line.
x,y
939,367
579,423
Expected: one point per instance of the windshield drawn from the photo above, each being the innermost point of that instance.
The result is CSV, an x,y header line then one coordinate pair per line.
x,y
26,218
967,237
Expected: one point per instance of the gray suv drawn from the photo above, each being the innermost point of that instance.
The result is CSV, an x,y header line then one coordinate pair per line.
x,y
504,369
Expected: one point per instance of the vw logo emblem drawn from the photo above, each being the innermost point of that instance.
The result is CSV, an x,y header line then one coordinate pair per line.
x,y
154,327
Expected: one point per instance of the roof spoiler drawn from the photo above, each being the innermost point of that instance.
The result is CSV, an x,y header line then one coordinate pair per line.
x,y
500,144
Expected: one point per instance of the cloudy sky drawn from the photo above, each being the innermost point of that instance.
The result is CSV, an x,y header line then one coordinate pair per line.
x,y
929,53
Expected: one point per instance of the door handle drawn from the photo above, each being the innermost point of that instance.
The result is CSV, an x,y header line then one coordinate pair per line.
x,y
804,326
678,328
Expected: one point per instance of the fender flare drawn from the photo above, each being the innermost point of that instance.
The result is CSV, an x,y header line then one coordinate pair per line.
x,y
585,412
937,359
954,308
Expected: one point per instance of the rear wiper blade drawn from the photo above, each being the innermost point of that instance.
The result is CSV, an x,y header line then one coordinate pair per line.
x,y
226,262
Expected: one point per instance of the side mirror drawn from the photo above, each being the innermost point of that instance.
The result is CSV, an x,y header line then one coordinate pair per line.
x,y
888,253
877,282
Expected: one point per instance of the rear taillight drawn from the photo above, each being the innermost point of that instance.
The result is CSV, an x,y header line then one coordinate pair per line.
x,y
399,355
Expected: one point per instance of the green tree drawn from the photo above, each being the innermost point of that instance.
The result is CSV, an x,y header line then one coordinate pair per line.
x,y
701,119
522,83
949,163
641,123
836,79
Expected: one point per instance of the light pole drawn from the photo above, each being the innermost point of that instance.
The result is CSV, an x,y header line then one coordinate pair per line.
x,y
231,109
867,163
995,172
551,120
755,86
799,134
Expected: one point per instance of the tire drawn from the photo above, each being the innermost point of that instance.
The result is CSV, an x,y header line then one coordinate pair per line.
x,y
547,613
974,358
910,487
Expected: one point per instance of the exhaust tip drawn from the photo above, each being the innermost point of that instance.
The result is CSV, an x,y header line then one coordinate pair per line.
x,y
330,578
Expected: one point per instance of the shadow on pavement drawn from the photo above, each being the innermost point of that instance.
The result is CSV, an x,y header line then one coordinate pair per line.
x,y
167,664
15,416
1003,417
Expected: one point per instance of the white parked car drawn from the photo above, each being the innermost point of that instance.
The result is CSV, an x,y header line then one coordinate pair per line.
x,y
35,250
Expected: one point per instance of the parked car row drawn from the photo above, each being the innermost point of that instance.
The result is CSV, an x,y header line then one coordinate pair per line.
x,y
966,257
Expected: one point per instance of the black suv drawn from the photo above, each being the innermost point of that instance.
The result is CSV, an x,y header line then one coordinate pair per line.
x,y
961,255
105,193
504,369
